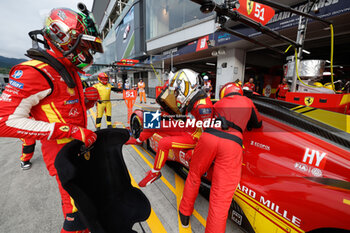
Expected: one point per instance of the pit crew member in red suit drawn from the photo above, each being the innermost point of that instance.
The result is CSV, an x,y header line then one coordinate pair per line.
x,y
28,147
282,90
250,84
224,145
183,96
50,90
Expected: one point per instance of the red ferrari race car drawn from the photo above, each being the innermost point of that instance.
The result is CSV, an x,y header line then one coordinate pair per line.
x,y
295,175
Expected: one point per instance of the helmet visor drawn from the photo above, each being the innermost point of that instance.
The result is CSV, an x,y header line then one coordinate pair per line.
x,y
167,100
93,43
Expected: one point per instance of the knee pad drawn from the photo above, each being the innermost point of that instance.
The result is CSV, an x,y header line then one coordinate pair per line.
x,y
98,120
28,149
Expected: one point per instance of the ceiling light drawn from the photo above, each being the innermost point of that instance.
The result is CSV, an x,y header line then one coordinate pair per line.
x,y
210,64
221,52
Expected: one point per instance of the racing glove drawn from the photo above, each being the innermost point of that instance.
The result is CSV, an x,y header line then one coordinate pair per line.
x,y
91,96
62,130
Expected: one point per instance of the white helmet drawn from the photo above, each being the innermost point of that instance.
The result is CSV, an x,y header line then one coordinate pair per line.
x,y
184,82
184,88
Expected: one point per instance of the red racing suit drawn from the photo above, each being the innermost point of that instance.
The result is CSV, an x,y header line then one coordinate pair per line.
x,y
281,91
225,146
179,137
37,89
251,86
28,147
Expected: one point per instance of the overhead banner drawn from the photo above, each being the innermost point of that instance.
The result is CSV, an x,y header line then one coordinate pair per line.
x,y
327,9
284,20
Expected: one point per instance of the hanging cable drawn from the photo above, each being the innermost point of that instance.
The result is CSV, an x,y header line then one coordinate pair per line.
x,y
332,51
156,73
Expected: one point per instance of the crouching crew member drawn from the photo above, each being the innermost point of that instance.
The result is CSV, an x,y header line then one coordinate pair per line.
x,y
184,96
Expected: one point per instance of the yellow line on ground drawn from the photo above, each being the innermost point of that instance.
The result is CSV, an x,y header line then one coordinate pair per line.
x,y
195,213
147,152
179,184
151,166
199,218
153,221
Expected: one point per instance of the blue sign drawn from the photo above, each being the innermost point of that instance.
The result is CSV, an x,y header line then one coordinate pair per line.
x,y
151,120
16,84
17,74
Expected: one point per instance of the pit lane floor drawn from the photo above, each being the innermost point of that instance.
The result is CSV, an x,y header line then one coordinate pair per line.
x,y
30,200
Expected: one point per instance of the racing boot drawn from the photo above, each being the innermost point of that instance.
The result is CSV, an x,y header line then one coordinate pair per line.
x,y
185,220
151,176
133,141
26,165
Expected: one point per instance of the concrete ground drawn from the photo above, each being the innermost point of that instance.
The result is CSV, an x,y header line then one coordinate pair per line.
x,y
30,200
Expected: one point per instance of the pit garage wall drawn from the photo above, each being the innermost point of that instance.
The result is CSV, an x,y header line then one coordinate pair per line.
x,y
153,81
230,66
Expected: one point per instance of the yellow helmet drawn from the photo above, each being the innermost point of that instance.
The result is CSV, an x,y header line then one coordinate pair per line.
x,y
318,84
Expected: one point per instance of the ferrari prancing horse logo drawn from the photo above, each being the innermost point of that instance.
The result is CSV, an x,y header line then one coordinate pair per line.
x,y
250,5
308,100
87,155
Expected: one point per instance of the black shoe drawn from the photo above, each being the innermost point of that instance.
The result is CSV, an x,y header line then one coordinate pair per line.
x,y
141,102
185,220
26,165
109,126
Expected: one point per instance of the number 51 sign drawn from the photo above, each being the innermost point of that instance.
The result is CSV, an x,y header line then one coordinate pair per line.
x,y
256,11
129,97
